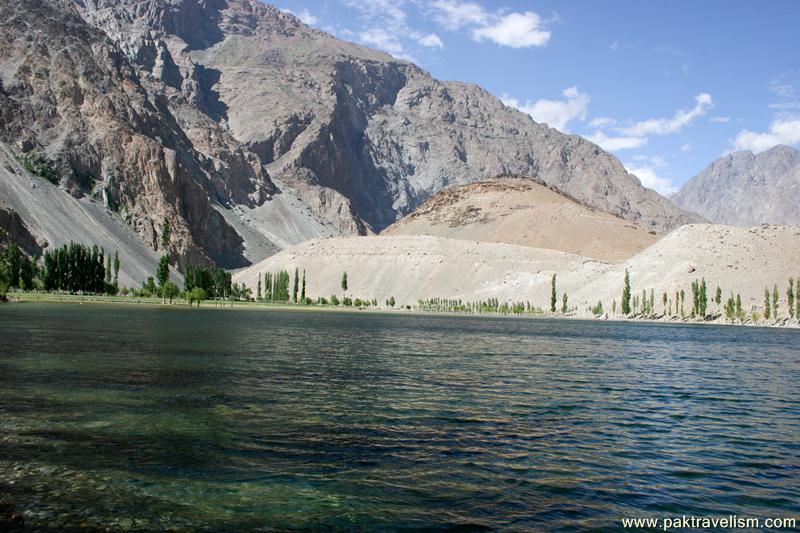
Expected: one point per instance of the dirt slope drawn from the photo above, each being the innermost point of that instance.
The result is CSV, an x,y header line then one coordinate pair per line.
x,y
739,260
527,213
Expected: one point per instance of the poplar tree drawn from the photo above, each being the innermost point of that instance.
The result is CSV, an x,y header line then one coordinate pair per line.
x,y
703,300
790,297
344,281
767,312
553,296
718,297
626,294
652,301
162,273
775,302
664,299
296,285
739,313
258,288
166,233
797,298
116,271
564,304
303,289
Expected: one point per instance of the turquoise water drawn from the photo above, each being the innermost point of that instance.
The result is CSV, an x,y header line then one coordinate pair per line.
x,y
122,417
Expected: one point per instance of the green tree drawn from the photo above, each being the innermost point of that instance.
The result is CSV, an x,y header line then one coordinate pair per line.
x,y
718,297
296,285
652,304
730,308
162,272
116,271
197,294
3,281
303,288
149,286
797,298
775,303
767,311
626,294
703,298
258,289
166,234
553,294
14,264
108,269
790,297
564,304
739,312
170,291
614,306
344,281
664,300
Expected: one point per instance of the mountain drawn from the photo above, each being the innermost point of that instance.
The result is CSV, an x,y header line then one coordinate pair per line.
x,y
744,189
251,132
412,267
524,212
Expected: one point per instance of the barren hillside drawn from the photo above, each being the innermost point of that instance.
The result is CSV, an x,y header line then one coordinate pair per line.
x,y
738,260
527,213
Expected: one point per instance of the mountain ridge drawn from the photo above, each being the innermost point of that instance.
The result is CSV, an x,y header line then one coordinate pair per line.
x,y
250,131
744,189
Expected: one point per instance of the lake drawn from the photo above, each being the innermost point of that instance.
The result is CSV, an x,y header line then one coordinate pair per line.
x,y
135,417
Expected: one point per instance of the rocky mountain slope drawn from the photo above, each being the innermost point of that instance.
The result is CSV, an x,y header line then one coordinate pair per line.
x,y
524,212
251,132
744,189
738,260
45,215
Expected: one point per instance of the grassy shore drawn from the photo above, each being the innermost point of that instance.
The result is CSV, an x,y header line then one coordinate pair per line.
x,y
21,297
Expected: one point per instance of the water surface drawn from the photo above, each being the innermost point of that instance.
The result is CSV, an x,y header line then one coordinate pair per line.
x,y
132,417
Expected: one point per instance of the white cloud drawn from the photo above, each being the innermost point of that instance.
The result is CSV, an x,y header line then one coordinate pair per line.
x,y
649,177
687,147
785,106
555,113
600,122
380,38
780,132
614,144
431,40
304,15
454,15
517,30
720,120
664,126
514,29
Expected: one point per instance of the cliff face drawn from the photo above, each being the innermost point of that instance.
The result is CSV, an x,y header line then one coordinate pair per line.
x,y
744,189
251,131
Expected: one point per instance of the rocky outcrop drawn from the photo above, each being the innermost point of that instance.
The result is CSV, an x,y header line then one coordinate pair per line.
x,y
744,189
226,116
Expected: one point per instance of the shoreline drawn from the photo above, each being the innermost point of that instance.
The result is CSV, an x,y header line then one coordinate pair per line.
x,y
74,299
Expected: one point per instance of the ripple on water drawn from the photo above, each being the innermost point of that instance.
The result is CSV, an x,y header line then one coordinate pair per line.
x,y
249,419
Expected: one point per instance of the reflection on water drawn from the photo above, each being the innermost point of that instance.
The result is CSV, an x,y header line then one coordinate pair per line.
x,y
149,418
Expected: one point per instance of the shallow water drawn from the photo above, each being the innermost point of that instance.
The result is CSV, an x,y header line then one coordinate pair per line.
x,y
148,418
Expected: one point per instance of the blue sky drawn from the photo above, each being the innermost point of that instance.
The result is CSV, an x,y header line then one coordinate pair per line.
x,y
667,86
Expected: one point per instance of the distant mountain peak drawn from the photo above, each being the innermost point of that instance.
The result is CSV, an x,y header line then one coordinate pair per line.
x,y
745,189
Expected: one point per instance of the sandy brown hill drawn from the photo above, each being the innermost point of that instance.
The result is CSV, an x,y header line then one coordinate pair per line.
x,y
527,213
411,267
